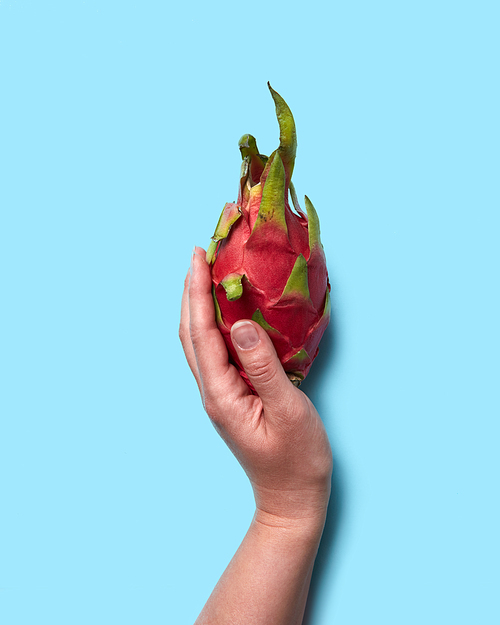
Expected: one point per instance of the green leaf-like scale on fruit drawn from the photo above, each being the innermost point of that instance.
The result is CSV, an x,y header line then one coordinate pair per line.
x,y
297,282
259,318
211,251
230,213
272,205
328,305
233,287
312,225
298,358
218,315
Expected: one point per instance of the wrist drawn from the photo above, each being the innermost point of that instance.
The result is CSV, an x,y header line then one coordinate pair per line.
x,y
293,508
284,533
293,513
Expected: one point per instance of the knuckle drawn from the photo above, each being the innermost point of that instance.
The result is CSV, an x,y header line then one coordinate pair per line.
x,y
197,336
263,372
183,335
216,403
210,407
213,409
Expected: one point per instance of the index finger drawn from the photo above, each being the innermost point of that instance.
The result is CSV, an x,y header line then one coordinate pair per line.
x,y
184,332
209,346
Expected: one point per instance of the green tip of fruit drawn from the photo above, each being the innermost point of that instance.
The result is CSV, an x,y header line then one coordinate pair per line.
x,y
313,224
253,162
248,146
288,134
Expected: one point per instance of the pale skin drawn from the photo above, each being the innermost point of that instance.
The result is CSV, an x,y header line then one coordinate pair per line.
x,y
281,443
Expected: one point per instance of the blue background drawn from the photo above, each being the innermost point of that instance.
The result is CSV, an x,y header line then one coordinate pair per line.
x,y
118,147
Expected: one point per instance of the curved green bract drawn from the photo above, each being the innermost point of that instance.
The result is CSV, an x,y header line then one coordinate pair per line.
x,y
212,248
297,282
253,162
258,317
245,166
299,358
312,225
328,305
218,314
230,213
288,134
295,200
272,205
248,146
233,287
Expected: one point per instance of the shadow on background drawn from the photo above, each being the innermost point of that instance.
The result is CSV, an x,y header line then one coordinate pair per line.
x,y
317,387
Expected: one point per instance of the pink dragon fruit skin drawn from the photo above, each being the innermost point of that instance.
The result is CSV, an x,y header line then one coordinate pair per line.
x,y
267,262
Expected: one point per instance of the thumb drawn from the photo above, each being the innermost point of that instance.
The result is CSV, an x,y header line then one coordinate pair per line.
x,y
261,363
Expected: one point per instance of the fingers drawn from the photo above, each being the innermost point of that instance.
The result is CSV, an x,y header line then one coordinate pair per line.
x,y
208,345
220,385
184,333
263,367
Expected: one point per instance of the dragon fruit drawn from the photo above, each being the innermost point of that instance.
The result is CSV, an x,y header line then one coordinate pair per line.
x,y
267,262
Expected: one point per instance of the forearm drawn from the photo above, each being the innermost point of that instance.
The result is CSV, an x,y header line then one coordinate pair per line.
x,y
267,581
280,441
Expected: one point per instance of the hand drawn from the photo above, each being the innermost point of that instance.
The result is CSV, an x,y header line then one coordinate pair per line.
x,y
276,435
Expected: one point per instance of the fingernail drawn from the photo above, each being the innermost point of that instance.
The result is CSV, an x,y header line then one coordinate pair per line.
x,y
245,335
